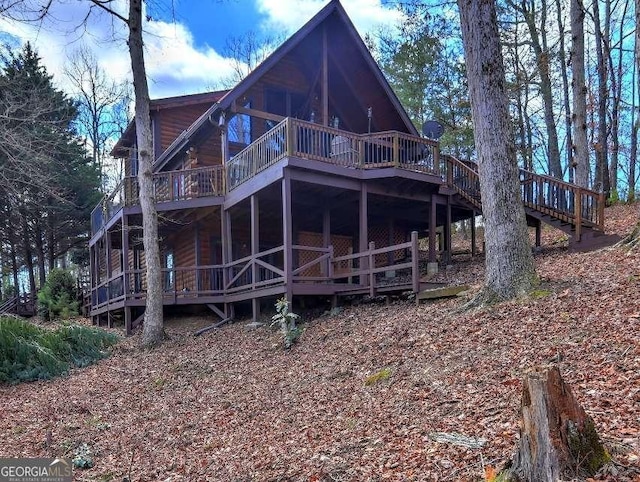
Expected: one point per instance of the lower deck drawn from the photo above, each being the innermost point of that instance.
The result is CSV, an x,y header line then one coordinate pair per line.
x,y
298,228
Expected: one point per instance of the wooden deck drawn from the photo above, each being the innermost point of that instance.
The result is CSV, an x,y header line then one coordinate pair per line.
x,y
319,159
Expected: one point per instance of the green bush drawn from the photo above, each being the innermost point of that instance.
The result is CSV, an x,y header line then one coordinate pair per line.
x,y
56,299
29,352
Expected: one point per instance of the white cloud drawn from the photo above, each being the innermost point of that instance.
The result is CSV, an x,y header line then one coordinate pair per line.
x,y
174,65
290,15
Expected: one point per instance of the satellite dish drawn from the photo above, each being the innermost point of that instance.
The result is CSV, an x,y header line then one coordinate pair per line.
x,y
432,129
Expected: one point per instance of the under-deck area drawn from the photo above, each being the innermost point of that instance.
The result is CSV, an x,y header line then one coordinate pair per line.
x,y
297,224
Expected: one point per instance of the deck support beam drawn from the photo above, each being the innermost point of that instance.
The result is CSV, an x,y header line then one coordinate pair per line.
x,y
225,248
287,235
474,247
447,234
363,232
255,249
538,233
196,246
125,257
326,238
432,264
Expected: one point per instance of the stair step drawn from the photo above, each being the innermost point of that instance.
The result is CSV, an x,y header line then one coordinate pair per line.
x,y
437,293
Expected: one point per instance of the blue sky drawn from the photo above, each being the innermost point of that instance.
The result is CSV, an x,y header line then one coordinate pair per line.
x,y
184,41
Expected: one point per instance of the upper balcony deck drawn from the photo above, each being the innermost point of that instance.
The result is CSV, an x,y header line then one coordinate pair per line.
x,y
290,138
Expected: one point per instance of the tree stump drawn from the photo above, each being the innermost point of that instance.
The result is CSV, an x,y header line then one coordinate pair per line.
x,y
558,440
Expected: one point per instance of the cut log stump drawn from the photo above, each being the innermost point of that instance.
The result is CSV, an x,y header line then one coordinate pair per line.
x,y
558,440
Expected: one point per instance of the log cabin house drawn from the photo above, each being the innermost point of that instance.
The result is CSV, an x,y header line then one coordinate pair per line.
x,y
306,179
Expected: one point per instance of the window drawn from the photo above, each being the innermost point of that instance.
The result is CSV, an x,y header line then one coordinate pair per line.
x,y
169,275
239,128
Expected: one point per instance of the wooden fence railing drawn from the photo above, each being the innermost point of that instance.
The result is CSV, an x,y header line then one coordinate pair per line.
x,y
561,200
372,269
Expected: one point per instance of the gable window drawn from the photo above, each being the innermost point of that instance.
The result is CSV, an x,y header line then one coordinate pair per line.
x,y
239,128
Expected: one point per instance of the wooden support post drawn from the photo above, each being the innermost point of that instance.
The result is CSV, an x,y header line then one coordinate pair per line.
x,y
325,78
363,233
538,233
371,264
255,249
578,214
196,246
326,239
474,247
415,266
125,257
287,235
432,232
447,234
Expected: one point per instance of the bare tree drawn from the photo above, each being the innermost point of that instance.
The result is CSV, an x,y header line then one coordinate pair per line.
x,y
29,11
246,53
509,264
101,102
537,25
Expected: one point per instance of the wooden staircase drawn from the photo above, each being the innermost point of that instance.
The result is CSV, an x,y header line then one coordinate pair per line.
x,y
21,305
577,211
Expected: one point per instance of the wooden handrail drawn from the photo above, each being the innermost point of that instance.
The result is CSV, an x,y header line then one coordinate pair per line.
x,y
558,199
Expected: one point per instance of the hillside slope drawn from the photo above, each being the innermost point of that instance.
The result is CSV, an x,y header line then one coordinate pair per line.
x,y
233,406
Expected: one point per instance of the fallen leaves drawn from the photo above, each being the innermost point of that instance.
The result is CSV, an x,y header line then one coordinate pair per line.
x,y
232,405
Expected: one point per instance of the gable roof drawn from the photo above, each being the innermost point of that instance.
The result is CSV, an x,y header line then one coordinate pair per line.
x,y
127,139
210,117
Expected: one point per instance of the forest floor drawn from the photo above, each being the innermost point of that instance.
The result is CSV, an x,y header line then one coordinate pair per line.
x,y
233,405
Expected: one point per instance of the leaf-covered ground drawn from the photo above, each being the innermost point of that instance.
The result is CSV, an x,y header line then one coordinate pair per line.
x,y
232,405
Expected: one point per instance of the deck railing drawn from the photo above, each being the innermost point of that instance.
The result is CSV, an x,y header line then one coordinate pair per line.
x,y
361,151
291,137
180,185
257,156
168,186
548,195
381,267
107,208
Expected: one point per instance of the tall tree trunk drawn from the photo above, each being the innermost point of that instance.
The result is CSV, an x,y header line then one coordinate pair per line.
x,y
39,246
14,263
602,149
28,255
509,264
565,90
635,124
153,317
579,88
540,48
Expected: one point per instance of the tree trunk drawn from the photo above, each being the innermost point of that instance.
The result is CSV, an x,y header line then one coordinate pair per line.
x,y
565,90
153,317
579,88
28,255
509,264
14,264
539,44
602,149
38,242
558,440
